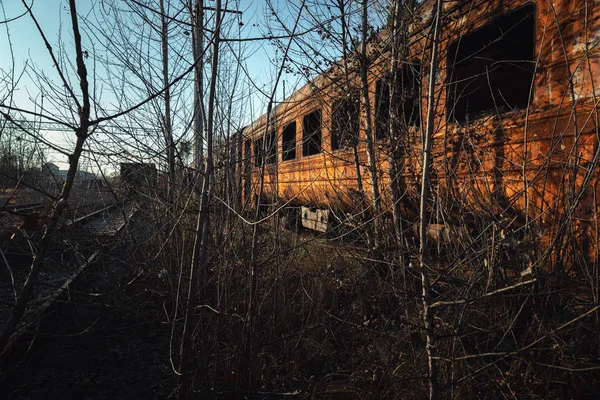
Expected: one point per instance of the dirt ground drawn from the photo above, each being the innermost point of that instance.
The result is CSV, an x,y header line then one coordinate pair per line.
x,y
113,346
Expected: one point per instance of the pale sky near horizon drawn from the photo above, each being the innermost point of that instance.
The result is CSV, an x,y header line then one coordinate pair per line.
x,y
21,42
28,47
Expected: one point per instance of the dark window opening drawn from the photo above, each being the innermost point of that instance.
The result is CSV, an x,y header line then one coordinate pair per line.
x,y
247,150
407,95
247,167
288,148
409,103
258,152
271,154
345,121
491,69
382,107
311,133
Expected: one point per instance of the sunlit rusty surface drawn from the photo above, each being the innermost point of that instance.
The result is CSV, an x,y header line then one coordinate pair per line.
x,y
537,163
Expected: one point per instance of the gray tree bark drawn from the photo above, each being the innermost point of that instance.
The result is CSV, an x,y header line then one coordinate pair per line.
x,y
202,224
427,146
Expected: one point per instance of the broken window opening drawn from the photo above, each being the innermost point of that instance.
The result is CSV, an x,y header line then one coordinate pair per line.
x,y
258,152
288,147
345,121
247,149
247,167
408,99
271,153
311,133
410,95
491,69
382,107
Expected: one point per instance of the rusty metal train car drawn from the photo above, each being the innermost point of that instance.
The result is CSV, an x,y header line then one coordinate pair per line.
x,y
515,128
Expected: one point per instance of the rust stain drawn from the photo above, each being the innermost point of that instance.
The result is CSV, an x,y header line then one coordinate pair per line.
x,y
526,145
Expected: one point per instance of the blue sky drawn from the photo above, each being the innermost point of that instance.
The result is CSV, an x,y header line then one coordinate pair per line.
x,y
27,45
28,48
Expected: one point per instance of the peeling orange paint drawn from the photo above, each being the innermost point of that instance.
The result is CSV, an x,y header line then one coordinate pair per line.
x,y
537,163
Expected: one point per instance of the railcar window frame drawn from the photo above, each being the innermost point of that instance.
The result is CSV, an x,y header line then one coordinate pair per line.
x,y
288,146
247,149
271,152
258,152
312,136
247,167
409,104
510,56
345,129
382,107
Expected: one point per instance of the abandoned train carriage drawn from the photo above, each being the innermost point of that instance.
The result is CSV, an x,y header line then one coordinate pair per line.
x,y
516,120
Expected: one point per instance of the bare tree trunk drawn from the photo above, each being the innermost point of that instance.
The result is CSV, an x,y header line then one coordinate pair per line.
x,y
198,51
167,130
423,215
368,121
427,313
200,245
429,331
61,204
397,129
342,8
249,326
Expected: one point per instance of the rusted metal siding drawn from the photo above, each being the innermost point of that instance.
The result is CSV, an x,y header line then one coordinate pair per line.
x,y
531,158
535,162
